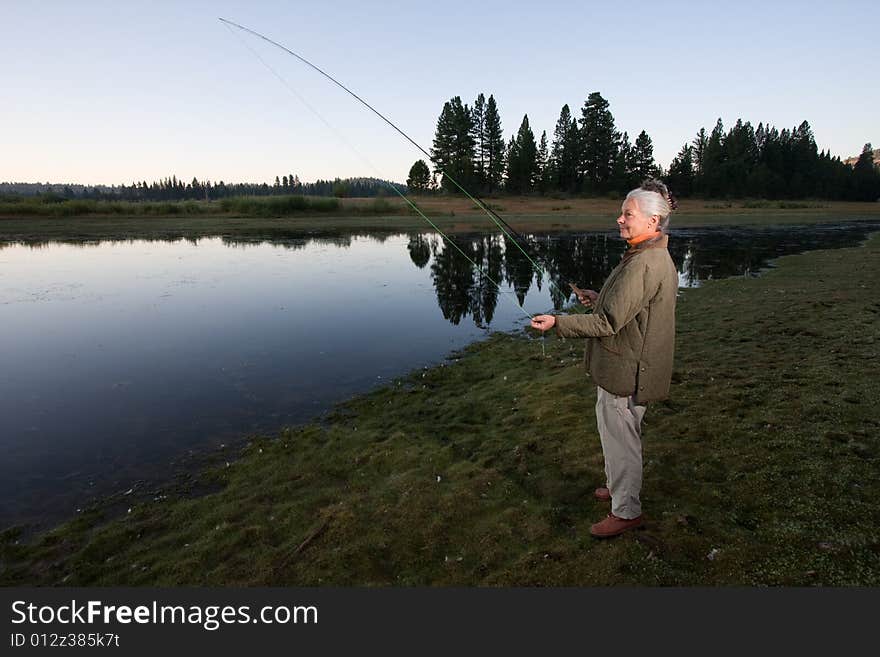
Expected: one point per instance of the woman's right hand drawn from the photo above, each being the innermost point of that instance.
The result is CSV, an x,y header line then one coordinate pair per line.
x,y
588,298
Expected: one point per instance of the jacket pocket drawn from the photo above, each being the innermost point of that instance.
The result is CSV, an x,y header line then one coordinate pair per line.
x,y
612,344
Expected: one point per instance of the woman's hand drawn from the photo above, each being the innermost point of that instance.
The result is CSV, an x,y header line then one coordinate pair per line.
x,y
588,298
543,322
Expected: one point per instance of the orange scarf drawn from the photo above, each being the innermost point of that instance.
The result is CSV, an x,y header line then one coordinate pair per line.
x,y
642,238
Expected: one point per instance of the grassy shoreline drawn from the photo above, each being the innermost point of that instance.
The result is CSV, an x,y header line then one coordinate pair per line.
x,y
759,470
452,215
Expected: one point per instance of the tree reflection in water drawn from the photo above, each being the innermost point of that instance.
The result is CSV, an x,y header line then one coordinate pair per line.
x,y
464,290
587,259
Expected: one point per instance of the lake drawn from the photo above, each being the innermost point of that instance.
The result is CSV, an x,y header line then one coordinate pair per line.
x,y
122,361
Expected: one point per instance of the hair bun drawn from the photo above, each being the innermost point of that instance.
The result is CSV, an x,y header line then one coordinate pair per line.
x,y
654,185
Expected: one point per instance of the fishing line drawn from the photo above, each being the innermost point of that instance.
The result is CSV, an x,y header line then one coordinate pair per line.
x,y
370,164
491,213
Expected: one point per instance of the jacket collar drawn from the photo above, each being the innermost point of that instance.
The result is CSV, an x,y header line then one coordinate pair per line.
x,y
661,241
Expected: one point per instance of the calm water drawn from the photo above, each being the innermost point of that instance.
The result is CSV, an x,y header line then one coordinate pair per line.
x,y
119,358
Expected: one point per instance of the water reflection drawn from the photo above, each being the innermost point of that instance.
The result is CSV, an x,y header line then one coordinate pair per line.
x,y
700,255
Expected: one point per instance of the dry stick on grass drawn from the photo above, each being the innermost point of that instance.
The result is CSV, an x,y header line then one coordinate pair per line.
x,y
302,546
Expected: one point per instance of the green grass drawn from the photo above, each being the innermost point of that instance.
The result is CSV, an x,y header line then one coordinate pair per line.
x,y
781,205
35,207
277,206
481,471
240,206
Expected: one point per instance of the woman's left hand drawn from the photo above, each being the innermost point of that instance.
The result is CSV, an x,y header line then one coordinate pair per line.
x,y
543,322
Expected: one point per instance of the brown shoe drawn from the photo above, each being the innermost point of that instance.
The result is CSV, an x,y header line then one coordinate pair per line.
x,y
612,526
603,494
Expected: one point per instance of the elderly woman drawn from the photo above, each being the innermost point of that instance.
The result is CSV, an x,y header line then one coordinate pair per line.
x,y
629,347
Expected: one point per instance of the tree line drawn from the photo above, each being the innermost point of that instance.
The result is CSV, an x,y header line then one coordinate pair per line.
x,y
764,162
174,189
588,155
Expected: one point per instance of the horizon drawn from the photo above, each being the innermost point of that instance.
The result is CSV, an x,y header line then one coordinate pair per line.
x,y
186,181
849,160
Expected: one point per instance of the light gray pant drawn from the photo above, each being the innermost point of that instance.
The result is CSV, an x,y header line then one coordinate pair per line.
x,y
620,430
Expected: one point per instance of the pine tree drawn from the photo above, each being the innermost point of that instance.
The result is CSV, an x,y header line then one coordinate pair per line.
x,y
522,164
599,142
511,159
478,132
712,162
575,146
741,156
493,141
543,161
767,178
453,152
699,147
623,177
565,154
643,158
444,139
866,178
419,179
865,163
805,161
681,172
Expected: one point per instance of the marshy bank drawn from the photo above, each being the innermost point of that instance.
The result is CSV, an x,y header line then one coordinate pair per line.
x,y
760,469
257,218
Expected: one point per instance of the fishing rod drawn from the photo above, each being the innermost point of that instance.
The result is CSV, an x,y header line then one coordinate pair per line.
x,y
394,188
505,228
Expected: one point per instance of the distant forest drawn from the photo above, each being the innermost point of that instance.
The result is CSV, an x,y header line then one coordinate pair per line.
x,y
172,189
587,156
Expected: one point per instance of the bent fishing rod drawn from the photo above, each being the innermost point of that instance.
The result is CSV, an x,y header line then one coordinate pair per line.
x,y
505,228
406,199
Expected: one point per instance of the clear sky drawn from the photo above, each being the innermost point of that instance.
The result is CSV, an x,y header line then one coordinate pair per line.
x,y
110,92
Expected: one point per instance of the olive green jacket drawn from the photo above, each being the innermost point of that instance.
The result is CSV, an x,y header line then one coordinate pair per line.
x,y
631,332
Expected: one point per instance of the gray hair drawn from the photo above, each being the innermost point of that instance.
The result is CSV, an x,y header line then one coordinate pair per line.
x,y
654,200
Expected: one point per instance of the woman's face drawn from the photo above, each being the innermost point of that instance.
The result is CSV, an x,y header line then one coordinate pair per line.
x,y
633,222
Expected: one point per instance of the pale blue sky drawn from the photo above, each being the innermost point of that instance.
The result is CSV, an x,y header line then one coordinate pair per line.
x,y
109,92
